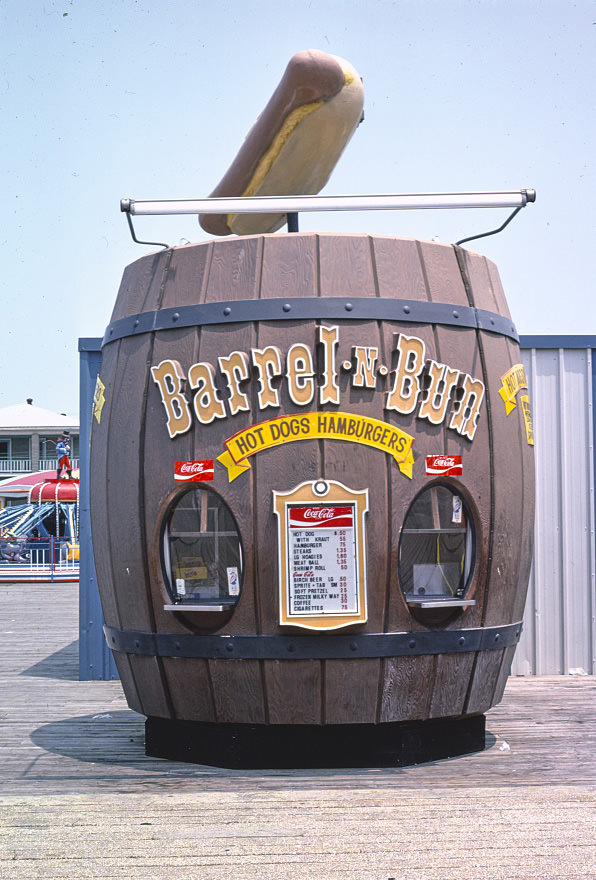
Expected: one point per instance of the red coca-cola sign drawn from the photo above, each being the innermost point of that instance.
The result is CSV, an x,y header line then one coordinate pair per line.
x,y
444,466
318,512
189,471
321,516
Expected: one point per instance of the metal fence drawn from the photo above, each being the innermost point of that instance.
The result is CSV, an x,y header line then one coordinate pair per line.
x,y
49,464
10,466
15,465
39,559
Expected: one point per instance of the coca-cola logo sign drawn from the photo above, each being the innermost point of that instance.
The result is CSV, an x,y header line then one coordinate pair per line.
x,y
188,471
444,465
318,513
315,516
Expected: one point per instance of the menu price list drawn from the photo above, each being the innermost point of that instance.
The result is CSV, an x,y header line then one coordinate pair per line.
x,y
322,571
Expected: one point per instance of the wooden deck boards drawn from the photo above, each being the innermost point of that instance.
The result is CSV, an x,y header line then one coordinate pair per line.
x,y
79,798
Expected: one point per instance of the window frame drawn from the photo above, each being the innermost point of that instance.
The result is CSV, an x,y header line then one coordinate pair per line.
x,y
432,600
177,603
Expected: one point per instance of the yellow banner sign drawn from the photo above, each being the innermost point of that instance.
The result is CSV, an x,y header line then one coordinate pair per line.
x,y
525,405
99,399
512,382
317,426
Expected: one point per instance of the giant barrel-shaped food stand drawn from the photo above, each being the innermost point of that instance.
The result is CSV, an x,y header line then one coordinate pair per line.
x,y
312,493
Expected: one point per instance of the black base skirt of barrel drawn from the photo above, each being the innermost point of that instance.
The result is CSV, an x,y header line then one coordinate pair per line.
x,y
268,747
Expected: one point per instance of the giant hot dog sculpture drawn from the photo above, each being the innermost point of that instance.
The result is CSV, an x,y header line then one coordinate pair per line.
x,y
295,143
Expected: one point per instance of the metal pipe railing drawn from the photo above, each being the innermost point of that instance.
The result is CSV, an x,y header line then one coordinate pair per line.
x,y
300,204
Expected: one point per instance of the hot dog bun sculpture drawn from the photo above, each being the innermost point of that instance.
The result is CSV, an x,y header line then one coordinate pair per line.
x,y
296,141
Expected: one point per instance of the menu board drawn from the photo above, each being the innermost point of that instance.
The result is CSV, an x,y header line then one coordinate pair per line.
x,y
322,555
322,560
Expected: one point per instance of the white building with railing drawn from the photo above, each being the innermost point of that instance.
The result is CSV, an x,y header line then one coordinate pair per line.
x,y
28,437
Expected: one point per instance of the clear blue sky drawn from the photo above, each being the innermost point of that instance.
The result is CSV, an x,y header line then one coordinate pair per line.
x,y
139,99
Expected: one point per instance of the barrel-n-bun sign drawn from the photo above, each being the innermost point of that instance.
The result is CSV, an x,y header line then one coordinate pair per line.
x,y
449,395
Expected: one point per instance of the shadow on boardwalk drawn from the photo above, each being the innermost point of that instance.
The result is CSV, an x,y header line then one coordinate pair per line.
x,y
63,663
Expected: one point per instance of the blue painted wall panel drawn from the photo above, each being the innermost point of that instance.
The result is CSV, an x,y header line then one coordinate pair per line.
x,y
95,659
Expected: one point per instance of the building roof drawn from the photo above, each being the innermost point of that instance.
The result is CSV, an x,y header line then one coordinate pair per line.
x,y
21,484
25,415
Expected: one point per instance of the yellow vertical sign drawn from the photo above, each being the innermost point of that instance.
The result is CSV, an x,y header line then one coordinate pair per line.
x,y
527,414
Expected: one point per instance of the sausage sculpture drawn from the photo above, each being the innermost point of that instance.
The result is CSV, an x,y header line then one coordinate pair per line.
x,y
295,143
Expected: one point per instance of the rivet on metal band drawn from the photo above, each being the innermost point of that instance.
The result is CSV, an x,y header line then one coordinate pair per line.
x,y
313,647
311,309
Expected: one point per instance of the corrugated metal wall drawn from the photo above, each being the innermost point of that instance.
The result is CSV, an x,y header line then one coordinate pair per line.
x,y
559,634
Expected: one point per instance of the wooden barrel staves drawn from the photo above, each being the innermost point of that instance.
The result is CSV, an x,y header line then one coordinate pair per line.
x,y
312,488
